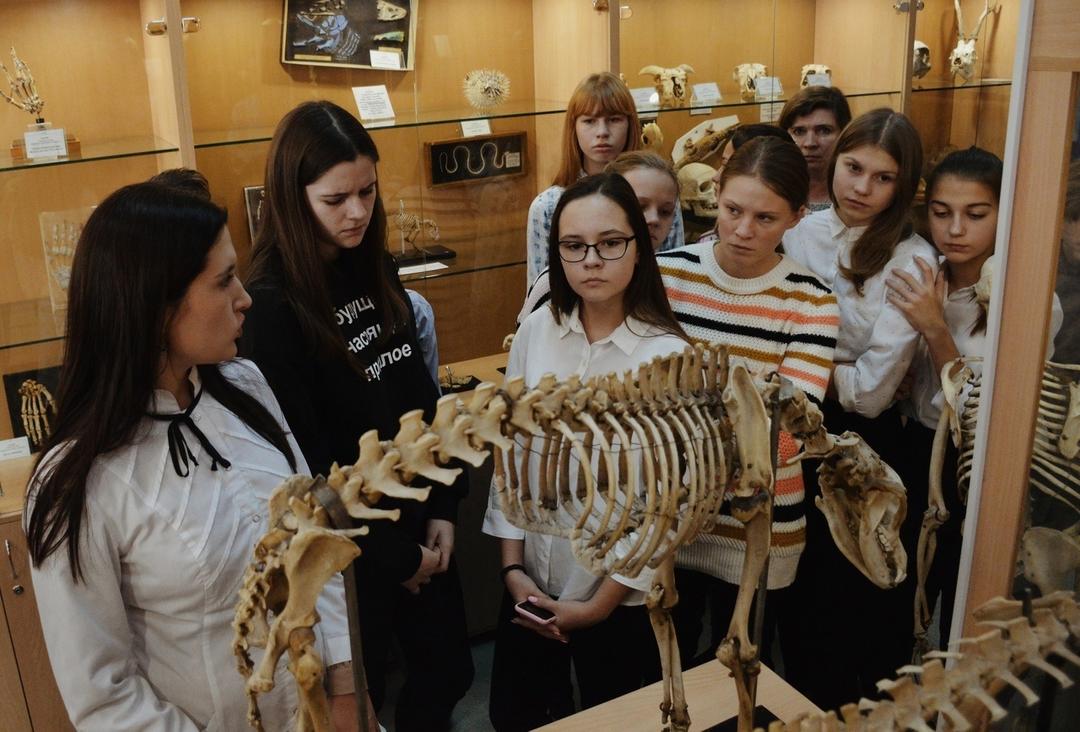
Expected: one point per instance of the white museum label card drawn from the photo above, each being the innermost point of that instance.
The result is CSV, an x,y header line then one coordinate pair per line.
x,y
373,102
18,447
45,144
767,88
771,112
645,99
418,268
511,159
386,60
818,80
475,127
705,95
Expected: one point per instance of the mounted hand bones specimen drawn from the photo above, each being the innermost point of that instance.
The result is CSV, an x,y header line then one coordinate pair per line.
x,y
652,138
697,192
964,693
410,225
60,231
630,468
920,60
486,88
804,76
745,74
34,409
671,84
963,57
22,91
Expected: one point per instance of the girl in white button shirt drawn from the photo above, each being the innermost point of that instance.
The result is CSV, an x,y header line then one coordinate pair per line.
x,y
962,201
153,487
853,246
608,312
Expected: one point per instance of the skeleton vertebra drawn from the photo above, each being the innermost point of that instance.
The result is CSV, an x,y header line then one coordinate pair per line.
x,y
962,693
807,69
670,84
37,404
963,57
745,74
627,469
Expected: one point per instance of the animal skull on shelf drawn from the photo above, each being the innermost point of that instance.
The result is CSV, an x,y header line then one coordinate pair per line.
x,y
697,192
627,467
807,69
652,137
920,60
745,74
963,57
704,141
671,84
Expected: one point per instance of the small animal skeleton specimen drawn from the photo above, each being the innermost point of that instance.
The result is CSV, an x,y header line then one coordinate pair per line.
x,y
36,405
670,84
410,225
697,192
920,60
486,88
388,11
630,468
804,76
652,138
22,91
963,57
964,694
745,74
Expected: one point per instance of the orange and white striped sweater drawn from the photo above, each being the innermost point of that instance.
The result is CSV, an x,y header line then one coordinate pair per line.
x,y
786,321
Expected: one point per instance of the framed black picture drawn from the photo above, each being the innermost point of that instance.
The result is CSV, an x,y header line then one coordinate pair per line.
x,y
253,203
358,34
471,159
31,403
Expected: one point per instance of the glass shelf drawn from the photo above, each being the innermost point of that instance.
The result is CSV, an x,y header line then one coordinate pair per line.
x,y
650,112
947,85
29,322
110,150
525,108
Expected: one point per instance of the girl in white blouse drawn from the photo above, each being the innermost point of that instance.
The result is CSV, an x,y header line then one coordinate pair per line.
x,y
153,487
962,201
608,312
853,246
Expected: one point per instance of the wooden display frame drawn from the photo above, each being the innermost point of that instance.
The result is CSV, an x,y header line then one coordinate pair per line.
x,y
440,155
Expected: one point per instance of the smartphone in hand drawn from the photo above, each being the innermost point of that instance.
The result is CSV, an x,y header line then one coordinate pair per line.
x,y
534,612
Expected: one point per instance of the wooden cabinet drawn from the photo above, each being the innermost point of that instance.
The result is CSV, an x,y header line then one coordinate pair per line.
x,y
28,694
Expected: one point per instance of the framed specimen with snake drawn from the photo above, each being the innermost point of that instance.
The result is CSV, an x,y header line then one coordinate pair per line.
x,y
470,159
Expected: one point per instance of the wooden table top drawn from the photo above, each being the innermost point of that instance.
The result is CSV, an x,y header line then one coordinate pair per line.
x,y
710,695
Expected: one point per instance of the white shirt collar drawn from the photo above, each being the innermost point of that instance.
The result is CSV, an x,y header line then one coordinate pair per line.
x,y
625,337
162,401
838,229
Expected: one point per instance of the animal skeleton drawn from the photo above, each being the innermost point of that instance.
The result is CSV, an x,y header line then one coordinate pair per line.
x,y
629,469
410,225
696,190
920,60
963,57
745,74
36,404
652,137
704,141
964,692
808,69
670,84
23,90
486,88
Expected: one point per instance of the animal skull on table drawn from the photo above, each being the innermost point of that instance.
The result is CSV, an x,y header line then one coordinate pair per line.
x,y
920,60
745,74
808,69
963,58
696,190
671,84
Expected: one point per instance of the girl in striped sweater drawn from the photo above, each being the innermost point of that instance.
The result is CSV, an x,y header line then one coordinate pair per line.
x,y
775,316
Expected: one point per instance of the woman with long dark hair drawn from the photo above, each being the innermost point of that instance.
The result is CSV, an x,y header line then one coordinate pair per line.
x,y
153,487
332,329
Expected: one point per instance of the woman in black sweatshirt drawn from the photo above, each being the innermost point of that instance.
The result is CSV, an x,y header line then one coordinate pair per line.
x,y
331,328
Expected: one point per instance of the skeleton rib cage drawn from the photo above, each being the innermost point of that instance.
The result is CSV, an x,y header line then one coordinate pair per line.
x,y
628,468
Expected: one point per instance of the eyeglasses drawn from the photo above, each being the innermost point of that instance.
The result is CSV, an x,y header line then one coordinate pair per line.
x,y
614,247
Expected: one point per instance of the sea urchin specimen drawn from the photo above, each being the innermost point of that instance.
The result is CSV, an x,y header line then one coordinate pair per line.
x,y
486,88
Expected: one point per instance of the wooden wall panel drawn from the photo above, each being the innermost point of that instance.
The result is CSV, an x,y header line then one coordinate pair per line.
x,y
860,41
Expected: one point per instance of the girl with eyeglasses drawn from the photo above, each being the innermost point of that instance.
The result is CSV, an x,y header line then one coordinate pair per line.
x,y
775,316
601,122
608,313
